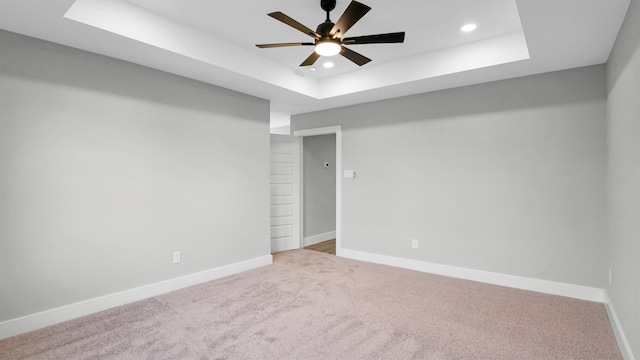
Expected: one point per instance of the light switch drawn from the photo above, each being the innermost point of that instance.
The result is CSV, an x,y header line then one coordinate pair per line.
x,y
349,174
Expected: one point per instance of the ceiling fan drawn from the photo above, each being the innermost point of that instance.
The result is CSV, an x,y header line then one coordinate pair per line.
x,y
328,36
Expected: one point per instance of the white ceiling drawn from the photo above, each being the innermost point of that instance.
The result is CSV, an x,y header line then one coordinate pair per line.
x,y
214,41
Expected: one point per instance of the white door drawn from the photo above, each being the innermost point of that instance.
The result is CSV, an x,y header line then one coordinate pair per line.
x,y
285,231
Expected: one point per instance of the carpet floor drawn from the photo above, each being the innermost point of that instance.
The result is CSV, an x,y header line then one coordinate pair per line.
x,y
311,305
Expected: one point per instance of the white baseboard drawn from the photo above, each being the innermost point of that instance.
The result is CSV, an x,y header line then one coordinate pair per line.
x,y
623,343
50,317
310,240
518,282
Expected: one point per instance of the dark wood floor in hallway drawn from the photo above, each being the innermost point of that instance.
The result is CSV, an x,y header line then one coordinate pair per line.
x,y
328,247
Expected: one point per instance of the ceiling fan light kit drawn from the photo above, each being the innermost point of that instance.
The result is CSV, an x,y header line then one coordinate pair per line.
x,y
328,36
328,48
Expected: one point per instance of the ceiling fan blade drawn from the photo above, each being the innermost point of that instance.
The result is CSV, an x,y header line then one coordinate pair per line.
x,y
294,24
311,59
354,56
266,46
354,12
397,37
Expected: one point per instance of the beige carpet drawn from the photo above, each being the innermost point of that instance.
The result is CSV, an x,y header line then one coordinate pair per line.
x,y
310,305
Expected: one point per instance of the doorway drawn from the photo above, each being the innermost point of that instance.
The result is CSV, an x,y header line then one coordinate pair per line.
x,y
319,192
315,226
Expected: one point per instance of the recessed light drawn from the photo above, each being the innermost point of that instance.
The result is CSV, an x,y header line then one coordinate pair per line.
x,y
328,65
312,69
468,27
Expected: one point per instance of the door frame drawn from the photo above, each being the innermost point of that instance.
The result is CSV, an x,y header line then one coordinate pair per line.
x,y
337,130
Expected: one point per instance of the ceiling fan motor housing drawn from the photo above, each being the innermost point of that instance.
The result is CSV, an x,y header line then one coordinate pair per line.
x,y
324,29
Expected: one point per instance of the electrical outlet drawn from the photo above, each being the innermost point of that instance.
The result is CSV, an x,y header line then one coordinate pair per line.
x,y
177,257
414,243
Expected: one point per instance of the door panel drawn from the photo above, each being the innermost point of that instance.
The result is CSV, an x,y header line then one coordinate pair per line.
x,y
285,231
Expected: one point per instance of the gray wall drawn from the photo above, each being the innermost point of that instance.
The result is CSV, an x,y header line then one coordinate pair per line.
x,y
319,184
624,177
506,177
108,167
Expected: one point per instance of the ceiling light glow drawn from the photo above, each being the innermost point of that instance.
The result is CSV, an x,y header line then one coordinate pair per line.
x,y
328,65
328,48
468,27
